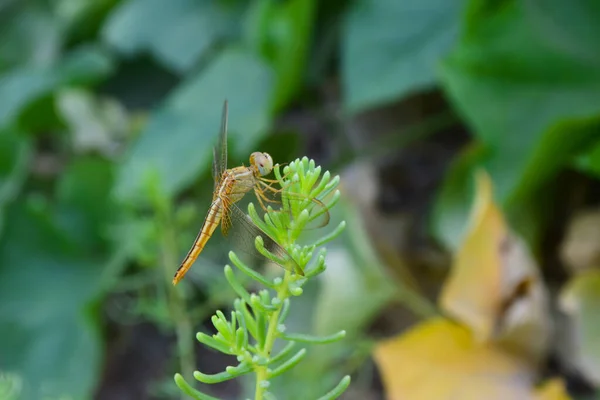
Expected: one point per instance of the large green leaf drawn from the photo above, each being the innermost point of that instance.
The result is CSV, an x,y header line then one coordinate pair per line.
x,y
392,48
176,32
48,335
282,33
529,102
84,208
22,86
554,19
82,19
532,104
30,35
177,142
53,264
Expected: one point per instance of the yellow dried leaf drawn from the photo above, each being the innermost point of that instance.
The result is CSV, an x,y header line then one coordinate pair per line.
x,y
494,286
439,360
552,389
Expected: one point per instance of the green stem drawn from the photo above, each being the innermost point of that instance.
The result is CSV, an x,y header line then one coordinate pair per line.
x,y
175,301
273,322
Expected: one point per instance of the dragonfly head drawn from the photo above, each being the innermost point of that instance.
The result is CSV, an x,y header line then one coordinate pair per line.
x,y
262,161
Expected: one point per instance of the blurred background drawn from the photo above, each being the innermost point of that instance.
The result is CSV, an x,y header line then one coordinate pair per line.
x,y
108,113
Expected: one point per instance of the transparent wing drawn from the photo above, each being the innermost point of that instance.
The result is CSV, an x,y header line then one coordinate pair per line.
x,y
226,221
220,149
241,232
237,191
268,193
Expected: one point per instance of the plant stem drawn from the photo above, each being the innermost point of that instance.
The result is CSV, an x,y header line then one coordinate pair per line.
x,y
261,371
184,331
175,301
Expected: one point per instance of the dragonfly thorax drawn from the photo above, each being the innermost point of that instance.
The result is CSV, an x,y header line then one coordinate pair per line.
x,y
262,162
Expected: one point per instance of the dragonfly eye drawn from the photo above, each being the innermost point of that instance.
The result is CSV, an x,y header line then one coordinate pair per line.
x,y
263,162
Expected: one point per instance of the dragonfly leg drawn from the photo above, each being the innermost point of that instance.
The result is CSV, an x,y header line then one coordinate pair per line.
x,y
269,187
275,180
260,196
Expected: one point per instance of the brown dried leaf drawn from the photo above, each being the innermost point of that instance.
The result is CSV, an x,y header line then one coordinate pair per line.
x,y
494,286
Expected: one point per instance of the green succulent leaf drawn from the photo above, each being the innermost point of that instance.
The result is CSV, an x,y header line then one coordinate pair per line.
x,y
261,315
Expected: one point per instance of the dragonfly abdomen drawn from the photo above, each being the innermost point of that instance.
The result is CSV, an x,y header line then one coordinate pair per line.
x,y
213,217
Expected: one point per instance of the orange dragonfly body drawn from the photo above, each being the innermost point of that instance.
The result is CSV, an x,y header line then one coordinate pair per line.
x,y
230,187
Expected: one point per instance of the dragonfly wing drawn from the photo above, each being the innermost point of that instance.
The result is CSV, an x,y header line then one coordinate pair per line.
x,y
222,143
243,231
226,219
241,185
220,149
215,169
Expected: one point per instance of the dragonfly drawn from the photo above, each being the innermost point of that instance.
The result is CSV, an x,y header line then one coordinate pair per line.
x,y
230,186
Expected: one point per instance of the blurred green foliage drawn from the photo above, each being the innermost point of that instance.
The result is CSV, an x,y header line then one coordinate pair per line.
x,y
99,97
532,102
391,49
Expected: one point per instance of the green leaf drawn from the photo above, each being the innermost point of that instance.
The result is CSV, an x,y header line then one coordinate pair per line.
x,y
338,390
81,19
178,140
190,391
288,364
304,338
570,26
392,48
531,104
30,35
281,32
52,263
293,29
20,87
84,207
50,333
177,32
